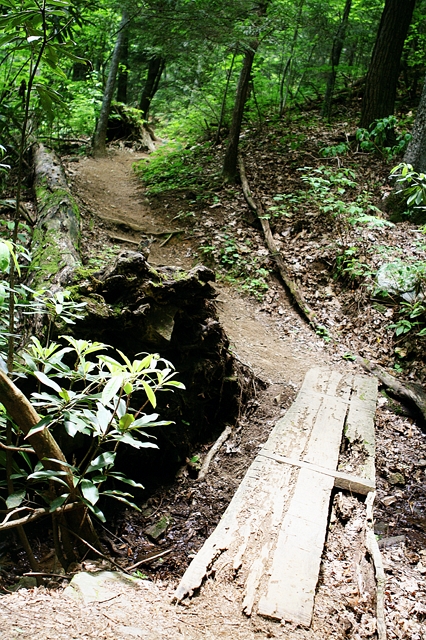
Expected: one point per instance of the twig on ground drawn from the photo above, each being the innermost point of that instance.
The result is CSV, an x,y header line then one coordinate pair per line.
x,y
99,553
215,448
374,551
149,558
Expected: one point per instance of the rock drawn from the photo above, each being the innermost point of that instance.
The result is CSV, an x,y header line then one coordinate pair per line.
x,y
157,529
396,478
99,586
388,500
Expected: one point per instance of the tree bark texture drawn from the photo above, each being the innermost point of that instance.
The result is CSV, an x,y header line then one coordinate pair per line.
x,y
123,74
57,233
336,52
230,168
416,150
99,140
156,66
384,69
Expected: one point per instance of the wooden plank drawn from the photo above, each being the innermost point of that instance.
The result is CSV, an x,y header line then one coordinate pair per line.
x,y
291,588
250,524
296,561
359,429
346,481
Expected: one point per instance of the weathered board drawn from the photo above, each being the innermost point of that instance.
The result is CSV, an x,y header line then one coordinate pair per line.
x,y
270,538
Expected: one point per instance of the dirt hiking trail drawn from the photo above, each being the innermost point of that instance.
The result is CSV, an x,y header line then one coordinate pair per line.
x,y
280,348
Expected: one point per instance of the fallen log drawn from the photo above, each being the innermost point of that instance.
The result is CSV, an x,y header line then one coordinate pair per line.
x,y
56,237
410,391
291,285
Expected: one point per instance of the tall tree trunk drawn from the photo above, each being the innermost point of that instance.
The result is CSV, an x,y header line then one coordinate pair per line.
x,y
287,72
225,94
99,141
155,69
336,52
230,169
416,150
383,73
123,73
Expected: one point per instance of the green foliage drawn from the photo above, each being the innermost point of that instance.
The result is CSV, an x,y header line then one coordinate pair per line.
x,y
351,264
412,185
237,264
172,168
376,138
340,149
93,396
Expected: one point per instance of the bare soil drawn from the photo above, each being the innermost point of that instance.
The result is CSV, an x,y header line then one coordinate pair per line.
x,y
272,338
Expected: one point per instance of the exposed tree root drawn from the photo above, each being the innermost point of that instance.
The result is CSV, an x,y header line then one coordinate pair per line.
x,y
291,285
408,390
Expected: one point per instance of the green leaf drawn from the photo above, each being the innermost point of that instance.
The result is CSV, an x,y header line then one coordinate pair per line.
x,y
121,498
58,502
42,377
15,499
125,422
112,387
94,509
104,460
103,417
89,491
40,426
149,393
4,257
120,476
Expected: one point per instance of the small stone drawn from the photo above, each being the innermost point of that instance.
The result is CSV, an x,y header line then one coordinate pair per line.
x,y
388,500
396,478
157,529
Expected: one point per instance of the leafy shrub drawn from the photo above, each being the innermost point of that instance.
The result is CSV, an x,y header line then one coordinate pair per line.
x,y
376,138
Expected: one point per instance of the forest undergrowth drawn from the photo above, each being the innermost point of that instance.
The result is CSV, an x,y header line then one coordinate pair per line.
x,y
326,201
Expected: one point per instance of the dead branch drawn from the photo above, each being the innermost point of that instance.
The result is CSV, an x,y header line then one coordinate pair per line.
x,y
374,551
149,558
291,285
408,390
215,448
35,515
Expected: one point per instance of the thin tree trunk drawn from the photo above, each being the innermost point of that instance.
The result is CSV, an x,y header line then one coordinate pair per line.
x,y
336,52
416,150
230,168
123,74
383,72
155,69
288,66
223,107
99,141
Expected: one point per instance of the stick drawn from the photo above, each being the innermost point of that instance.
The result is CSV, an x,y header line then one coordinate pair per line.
x,y
149,557
99,553
308,312
215,448
374,551
37,513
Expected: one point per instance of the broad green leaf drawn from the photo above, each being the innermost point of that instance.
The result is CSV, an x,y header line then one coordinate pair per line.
x,y
112,387
144,420
89,491
58,502
103,417
149,393
40,426
104,460
42,377
15,499
128,388
125,422
94,509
